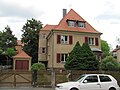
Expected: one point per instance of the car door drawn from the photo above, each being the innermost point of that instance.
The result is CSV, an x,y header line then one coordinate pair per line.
x,y
90,83
105,82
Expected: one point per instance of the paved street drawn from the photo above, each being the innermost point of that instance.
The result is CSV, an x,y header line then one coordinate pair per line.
x,y
24,88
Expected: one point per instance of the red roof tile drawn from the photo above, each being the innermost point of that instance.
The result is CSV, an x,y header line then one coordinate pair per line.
x,y
21,54
71,15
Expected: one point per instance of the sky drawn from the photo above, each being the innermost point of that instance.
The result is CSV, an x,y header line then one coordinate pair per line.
x,y
103,15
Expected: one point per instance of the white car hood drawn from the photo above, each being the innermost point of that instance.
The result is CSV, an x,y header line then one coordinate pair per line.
x,y
68,84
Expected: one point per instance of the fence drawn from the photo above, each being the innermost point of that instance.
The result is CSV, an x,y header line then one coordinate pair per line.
x,y
14,78
48,77
45,78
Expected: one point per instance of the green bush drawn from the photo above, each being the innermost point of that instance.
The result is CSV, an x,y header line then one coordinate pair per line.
x,y
38,66
109,63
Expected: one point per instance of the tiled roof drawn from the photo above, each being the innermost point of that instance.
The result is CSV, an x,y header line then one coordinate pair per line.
x,y
49,27
21,54
71,15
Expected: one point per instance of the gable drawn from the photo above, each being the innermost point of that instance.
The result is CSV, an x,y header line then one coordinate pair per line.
x,y
71,16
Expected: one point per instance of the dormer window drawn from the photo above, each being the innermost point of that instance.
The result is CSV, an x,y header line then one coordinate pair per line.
x,y
81,24
71,23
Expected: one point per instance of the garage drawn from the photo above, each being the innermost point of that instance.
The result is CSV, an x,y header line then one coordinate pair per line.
x,y
21,61
22,65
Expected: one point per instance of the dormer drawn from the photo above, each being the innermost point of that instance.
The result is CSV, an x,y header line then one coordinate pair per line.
x,y
71,23
75,23
81,24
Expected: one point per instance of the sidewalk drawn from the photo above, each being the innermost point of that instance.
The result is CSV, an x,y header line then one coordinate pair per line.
x,y
25,88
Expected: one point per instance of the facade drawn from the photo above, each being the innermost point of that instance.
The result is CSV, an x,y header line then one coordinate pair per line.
x,y
57,41
116,53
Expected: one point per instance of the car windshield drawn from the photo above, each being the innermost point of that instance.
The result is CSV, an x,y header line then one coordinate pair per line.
x,y
80,78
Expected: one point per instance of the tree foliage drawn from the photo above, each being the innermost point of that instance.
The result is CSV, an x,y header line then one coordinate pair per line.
x,y
105,48
10,52
72,61
81,58
38,66
7,39
30,38
109,63
90,61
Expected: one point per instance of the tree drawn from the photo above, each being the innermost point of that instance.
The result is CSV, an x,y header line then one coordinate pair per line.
x,y
105,48
72,62
38,66
81,58
90,61
8,40
10,52
30,38
109,63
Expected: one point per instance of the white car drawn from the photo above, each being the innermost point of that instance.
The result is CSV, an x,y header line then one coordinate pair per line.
x,y
91,82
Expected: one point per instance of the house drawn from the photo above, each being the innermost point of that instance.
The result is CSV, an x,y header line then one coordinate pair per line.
x,y
116,53
57,41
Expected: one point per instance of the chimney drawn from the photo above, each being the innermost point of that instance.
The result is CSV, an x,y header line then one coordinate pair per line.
x,y
64,12
18,48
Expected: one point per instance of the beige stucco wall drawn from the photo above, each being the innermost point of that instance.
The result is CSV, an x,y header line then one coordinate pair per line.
x,y
55,48
42,43
118,55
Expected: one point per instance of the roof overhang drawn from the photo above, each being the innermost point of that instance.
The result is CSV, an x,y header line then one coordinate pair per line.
x,y
96,50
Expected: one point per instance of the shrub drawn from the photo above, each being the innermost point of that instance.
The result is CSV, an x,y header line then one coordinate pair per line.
x,y
38,66
109,63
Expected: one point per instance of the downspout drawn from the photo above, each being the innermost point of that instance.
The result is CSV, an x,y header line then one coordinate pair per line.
x,y
53,71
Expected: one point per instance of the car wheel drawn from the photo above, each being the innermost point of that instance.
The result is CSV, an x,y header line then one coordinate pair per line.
x,y
74,89
112,88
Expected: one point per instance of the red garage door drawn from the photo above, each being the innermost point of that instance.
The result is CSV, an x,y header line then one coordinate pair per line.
x,y
22,65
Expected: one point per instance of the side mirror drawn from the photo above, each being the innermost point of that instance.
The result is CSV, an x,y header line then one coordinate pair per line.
x,y
85,81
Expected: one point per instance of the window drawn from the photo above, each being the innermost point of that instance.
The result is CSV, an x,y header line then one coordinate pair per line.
x,y
91,41
61,57
43,35
91,79
72,23
64,39
43,51
81,24
104,79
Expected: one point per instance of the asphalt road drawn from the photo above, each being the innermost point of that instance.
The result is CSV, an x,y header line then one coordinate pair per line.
x,y
25,88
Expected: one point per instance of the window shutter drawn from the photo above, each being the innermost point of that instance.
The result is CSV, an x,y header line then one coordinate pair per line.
x,y
58,57
70,40
58,39
86,39
96,42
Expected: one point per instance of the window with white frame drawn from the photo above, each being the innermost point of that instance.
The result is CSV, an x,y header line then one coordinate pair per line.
x,y
81,24
63,57
91,41
64,39
71,23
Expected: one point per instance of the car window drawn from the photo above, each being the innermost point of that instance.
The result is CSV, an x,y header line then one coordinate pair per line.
x,y
91,79
80,78
104,79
